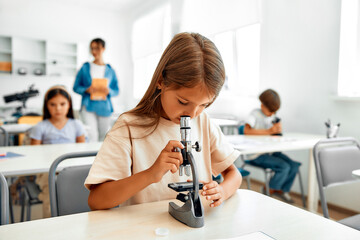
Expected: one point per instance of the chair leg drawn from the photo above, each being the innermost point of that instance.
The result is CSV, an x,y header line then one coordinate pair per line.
x,y
11,210
28,210
22,200
302,189
267,180
248,182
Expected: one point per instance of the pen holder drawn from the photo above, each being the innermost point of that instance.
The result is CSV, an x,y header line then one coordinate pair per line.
x,y
331,129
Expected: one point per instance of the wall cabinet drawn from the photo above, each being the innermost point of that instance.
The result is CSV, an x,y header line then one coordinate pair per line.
x,y
24,56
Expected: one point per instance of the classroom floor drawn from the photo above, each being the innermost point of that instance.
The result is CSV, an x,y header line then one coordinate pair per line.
x,y
336,213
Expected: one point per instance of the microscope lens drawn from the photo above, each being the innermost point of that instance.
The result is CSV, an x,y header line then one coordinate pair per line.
x,y
188,170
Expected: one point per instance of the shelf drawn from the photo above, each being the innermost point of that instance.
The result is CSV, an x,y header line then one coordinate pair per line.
x,y
66,54
5,51
71,66
36,61
33,54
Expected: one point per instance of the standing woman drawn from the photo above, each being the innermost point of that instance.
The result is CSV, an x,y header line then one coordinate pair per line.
x,y
96,112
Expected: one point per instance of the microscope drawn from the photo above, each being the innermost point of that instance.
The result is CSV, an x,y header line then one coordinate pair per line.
x,y
191,213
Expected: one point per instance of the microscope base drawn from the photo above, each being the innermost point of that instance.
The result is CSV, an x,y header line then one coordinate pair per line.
x,y
191,213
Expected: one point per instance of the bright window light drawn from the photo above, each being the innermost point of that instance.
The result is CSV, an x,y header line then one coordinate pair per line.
x,y
349,67
150,35
240,50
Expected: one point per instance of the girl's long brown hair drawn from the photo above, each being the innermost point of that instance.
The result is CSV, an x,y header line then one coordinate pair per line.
x,y
189,60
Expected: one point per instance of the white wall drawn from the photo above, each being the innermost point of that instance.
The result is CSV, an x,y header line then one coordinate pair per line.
x,y
55,21
299,58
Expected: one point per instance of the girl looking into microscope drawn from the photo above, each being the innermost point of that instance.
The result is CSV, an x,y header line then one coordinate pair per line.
x,y
137,159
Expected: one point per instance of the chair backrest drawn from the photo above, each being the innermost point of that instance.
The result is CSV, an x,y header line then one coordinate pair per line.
x,y
4,201
68,194
335,159
241,129
4,137
32,120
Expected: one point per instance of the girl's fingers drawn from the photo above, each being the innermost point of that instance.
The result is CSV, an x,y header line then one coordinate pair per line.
x,y
173,144
210,185
175,155
216,203
173,168
174,161
211,191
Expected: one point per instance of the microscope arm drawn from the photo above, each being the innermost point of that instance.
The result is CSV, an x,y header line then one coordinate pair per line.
x,y
194,175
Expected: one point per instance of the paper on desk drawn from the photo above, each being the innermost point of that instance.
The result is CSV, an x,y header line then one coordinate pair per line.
x,y
251,236
7,155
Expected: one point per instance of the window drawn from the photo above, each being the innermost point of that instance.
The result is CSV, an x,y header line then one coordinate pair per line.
x,y
349,55
240,50
151,33
235,29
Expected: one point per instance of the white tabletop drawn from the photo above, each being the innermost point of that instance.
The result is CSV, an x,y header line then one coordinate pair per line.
x,y
16,128
244,213
356,173
249,144
38,158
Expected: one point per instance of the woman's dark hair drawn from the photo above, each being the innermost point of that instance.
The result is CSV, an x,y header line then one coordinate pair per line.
x,y
52,92
98,41
270,99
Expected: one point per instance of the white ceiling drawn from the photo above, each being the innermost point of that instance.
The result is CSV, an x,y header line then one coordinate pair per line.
x,y
106,5
103,5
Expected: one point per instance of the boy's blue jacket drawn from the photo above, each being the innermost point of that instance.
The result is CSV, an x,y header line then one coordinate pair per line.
x,y
83,81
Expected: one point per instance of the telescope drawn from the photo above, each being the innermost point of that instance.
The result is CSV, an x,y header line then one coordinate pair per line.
x,y
22,96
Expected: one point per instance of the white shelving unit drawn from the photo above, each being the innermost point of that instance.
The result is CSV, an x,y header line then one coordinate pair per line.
x,y
38,57
61,58
5,54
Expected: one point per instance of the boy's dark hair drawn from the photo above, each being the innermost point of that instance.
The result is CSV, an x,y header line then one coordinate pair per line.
x,y
98,41
52,92
270,99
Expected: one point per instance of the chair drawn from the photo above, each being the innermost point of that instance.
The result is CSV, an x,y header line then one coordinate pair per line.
x,y
32,120
269,172
4,200
68,194
4,139
335,159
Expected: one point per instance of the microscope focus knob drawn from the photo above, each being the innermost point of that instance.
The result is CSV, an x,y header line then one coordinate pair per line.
x,y
197,146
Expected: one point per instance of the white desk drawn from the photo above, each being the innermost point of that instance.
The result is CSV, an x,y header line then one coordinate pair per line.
x,y
290,141
38,159
16,128
356,173
245,212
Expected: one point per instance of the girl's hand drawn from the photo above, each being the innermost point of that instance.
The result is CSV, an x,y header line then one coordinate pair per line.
x,y
168,160
214,193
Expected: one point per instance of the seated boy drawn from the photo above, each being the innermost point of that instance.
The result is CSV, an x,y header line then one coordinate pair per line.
x,y
264,122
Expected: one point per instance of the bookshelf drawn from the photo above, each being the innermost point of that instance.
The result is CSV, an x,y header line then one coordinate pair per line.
x,y
35,57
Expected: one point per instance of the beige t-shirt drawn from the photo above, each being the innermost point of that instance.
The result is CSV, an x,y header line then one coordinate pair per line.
x,y
120,156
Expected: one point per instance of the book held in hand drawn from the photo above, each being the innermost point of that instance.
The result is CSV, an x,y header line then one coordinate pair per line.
x,y
101,83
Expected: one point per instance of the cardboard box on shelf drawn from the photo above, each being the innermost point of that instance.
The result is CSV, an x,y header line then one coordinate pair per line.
x,y
5,66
